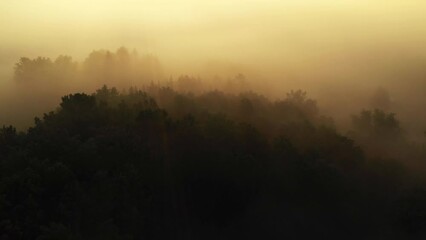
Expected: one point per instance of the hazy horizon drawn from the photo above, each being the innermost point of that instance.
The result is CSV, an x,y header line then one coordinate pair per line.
x,y
276,36
344,49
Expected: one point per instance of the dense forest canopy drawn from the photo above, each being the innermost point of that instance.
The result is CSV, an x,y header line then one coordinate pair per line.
x,y
159,164
233,119
191,158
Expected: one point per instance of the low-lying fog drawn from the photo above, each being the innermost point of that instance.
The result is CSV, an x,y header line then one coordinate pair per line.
x,y
348,55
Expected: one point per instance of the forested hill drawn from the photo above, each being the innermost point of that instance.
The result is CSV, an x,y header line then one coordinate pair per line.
x,y
158,164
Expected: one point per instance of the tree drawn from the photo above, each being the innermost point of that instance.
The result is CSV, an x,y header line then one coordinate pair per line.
x,y
299,99
377,124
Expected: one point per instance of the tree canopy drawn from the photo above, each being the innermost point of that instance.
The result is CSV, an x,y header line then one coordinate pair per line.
x,y
167,165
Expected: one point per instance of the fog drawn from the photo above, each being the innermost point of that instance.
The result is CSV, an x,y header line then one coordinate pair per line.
x,y
225,119
340,52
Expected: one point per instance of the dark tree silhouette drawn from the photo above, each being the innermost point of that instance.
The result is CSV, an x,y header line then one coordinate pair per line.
x,y
114,165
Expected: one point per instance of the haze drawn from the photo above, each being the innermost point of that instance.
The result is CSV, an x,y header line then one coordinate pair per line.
x,y
219,119
328,47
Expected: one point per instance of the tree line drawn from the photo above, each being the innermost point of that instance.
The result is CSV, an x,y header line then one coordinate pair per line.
x,y
155,163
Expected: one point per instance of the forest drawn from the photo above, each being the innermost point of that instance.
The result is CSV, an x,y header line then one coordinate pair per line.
x,y
129,157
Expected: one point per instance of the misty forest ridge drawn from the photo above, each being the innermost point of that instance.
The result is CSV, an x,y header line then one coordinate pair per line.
x,y
175,160
225,119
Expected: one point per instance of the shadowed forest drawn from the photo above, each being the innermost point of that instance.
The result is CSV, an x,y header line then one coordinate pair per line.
x,y
224,119
117,150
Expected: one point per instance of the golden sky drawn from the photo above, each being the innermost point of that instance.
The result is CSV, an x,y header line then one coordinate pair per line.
x,y
335,48
264,33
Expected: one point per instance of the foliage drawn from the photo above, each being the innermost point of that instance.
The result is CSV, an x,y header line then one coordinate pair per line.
x,y
117,165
